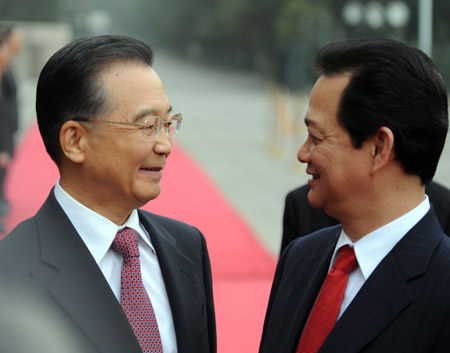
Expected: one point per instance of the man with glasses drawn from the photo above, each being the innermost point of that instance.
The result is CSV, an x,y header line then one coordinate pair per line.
x,y
99,274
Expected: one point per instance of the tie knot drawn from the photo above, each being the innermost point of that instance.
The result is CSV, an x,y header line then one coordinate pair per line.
x,y
346,259
126,243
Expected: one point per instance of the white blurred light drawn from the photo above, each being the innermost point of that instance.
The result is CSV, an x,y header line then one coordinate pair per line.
x,y
397,14
374,15
353,13
98,22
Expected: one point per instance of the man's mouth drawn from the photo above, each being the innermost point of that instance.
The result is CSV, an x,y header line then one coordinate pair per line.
x,y
154,169
314,176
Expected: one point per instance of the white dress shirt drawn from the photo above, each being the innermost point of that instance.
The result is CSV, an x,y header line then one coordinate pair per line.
x,y
371,249
98,234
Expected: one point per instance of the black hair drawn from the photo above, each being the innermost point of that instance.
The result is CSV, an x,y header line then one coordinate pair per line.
x,y
69,84
5,31
393,85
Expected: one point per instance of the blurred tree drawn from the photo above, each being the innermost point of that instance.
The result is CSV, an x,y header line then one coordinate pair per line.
x,y
277,37
232,32
301,28
30,10
441,38
174,23
408,33
240,33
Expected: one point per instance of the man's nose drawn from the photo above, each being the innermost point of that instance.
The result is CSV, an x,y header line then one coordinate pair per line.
x,y
303,152
163,144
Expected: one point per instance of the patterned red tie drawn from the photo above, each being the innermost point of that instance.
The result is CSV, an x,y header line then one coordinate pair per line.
x,y
326,309
133,296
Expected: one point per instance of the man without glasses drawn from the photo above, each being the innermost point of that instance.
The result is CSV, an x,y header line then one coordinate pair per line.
x,y
377,123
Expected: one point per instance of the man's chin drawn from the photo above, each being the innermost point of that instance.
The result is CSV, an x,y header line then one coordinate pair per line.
x,y
313,201
144,198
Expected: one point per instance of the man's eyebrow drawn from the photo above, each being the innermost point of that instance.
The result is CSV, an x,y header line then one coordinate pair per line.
x,y
313,124
147,111
144,112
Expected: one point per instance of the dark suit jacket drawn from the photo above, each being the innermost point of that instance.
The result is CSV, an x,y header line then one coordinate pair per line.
x,y
404,306
8,111
301,219
54,298
5,129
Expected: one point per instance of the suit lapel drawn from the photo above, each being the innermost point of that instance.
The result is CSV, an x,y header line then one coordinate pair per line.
x,y
378,303
385,294
80,287
180,281
314,267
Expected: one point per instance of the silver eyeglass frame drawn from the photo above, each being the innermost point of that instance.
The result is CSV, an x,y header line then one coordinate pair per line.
x,y
151,127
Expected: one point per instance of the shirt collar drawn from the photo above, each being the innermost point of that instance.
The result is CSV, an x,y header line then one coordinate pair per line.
x,y
96,231
371,249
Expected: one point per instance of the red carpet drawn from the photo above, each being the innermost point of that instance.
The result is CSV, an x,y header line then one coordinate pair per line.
x,y
242,270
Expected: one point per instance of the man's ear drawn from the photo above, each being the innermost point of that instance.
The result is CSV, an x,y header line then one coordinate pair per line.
x,y
71,138
383,148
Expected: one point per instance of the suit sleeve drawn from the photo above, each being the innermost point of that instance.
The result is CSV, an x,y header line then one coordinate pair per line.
x,y
273,294
439,197
207,282
5,135
289,228
443,341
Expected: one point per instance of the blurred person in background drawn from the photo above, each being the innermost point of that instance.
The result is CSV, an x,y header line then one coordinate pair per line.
x,y
380,281
11,43
4,157
300,219
91,272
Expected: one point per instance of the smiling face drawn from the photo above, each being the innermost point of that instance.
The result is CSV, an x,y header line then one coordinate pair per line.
x,y
337,169
122,170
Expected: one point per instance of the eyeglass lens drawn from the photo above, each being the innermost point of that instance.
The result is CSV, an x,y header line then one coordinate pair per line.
x,y
154,125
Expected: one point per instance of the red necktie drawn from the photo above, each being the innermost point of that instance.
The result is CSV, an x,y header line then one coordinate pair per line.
x,y
133,296
326,309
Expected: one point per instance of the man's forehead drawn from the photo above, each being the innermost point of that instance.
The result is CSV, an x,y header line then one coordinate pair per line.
x,y
130,75
122,65
311,123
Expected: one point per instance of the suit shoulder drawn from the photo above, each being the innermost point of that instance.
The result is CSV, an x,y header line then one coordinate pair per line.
x,y
19,250
440,198
178,229
163,220
436,189
20,235
299,193
312,242
321,235
444,248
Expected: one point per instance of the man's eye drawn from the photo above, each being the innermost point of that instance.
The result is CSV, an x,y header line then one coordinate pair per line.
x,y
151,124
313,138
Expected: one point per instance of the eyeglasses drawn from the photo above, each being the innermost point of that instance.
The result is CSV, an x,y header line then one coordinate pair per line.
x,y
151,128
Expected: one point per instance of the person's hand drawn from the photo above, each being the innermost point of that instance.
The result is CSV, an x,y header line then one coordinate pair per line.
x,y
5,158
